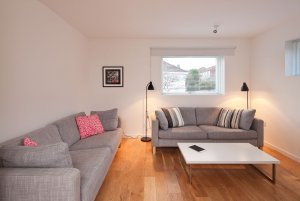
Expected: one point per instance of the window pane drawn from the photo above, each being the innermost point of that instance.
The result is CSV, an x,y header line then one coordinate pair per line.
x,y
292,58
190,75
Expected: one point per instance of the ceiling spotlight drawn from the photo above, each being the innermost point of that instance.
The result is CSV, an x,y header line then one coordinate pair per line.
x,y
215,29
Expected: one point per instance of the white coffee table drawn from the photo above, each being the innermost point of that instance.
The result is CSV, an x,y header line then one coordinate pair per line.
x,y
226,153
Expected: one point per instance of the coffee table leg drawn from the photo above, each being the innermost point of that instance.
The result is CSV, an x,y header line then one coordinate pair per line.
x,y
187,170
274,173
190,173
273,176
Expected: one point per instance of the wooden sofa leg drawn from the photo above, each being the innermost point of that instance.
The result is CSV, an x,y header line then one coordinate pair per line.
x,y
120,145
154,150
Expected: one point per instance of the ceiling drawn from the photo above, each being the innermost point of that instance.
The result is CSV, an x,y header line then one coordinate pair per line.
x,y
173,18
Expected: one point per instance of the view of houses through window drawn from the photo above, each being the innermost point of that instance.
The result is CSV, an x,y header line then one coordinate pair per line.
x,y
191,75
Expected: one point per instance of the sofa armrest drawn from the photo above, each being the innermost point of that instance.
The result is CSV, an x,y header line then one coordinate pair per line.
x,y
258,126
155,129
119,122
40,184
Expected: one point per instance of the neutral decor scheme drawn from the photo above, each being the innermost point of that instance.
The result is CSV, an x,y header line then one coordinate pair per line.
x,y
149,86
245,88
112,76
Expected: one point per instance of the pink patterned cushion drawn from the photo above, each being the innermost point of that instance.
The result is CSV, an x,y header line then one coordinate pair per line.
x,y
89,125
29,142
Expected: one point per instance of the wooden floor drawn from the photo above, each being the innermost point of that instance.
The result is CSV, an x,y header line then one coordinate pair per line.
x,y
137,175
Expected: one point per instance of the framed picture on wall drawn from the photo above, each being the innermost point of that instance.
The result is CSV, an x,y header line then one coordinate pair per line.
x,y
112,76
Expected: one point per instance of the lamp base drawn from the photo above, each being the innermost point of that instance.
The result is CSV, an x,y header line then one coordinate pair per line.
x,y
145,139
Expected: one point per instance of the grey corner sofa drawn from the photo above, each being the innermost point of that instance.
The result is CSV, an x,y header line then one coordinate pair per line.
x,y
80,178
200,125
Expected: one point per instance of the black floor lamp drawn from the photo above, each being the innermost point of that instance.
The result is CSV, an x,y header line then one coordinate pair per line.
x,y
149,86
245,88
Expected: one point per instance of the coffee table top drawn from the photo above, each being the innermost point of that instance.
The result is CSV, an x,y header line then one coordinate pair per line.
x,y
225,153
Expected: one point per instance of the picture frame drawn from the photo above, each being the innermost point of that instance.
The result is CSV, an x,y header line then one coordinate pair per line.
x,y
113,76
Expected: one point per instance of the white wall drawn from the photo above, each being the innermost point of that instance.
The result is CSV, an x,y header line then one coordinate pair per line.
x,y
42,67
45,76
276,96
134,55
46,73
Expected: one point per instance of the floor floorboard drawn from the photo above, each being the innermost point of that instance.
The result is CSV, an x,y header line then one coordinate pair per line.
x,y
137,175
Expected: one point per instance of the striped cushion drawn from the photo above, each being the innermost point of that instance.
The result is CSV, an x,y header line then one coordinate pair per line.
x,y
173,116
235,120
225,118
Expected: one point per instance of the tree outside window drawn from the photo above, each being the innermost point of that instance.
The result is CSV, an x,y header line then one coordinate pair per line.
x,y
191,75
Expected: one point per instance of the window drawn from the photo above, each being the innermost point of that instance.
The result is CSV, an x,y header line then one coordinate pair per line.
x,y
192,75
292,58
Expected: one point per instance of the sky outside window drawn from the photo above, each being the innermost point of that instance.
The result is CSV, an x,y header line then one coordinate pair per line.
x,y
187,63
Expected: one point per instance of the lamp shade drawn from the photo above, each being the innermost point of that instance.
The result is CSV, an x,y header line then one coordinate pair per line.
x,y
150,86
244,87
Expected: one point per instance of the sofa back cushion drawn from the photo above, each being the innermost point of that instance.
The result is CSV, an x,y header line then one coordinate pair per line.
x,y
163,122
45,156
68,129
188,115
247,118
108,118
207,115
43,136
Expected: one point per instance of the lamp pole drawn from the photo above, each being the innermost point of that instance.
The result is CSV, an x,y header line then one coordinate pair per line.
x,y
247,100
149,86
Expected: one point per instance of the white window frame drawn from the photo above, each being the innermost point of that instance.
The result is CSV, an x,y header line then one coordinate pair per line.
x,y
219,82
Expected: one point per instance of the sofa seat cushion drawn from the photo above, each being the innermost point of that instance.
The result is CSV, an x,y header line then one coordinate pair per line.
x,y
183,133
93,165
109,139
220,133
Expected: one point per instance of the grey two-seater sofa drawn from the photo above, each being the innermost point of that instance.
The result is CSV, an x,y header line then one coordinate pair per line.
x,y
88,161
200,125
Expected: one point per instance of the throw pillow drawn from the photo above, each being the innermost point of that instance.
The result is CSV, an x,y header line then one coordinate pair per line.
x,y
225,118
247,118
163,122
44,156
89,125
173,116
108,118
235,120
29,142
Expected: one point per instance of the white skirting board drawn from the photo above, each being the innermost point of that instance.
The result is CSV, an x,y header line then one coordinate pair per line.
x,y
284,152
